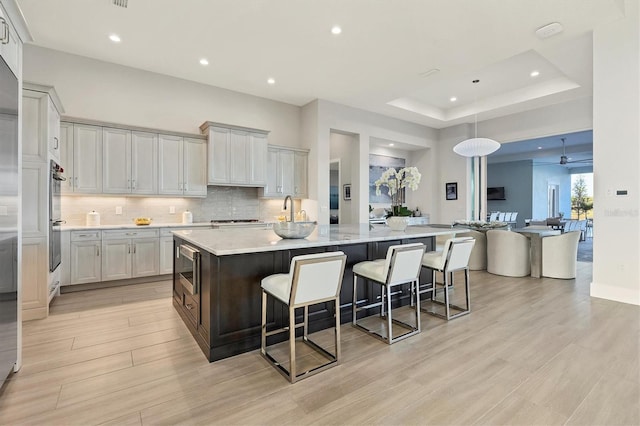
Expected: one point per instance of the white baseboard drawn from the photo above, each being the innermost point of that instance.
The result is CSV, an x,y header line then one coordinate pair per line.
x,y
616,293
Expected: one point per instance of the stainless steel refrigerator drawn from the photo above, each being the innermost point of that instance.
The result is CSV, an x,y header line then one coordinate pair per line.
x,y
9,180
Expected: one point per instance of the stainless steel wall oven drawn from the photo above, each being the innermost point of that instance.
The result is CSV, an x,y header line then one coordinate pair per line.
x,y
55,178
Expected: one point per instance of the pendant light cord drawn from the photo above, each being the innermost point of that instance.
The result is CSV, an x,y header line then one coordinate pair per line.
x,y
475,103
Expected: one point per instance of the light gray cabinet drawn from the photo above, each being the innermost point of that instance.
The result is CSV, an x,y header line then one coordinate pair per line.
x,y
86,145
182,166
195,167
300,174
236,155
85,254
130,162
129,254
286,173
40,135
10,45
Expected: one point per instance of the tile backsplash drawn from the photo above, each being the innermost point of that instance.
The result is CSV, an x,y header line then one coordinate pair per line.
x,y
221,203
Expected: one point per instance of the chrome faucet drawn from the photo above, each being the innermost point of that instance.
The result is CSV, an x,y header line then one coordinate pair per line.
x,y
288,197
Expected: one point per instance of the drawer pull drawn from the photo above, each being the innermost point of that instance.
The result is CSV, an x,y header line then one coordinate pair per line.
x,y
188,306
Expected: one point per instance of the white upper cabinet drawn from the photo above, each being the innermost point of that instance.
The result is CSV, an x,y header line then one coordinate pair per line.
x,y
258,155
66,156
300,175
87,159
34,146
130,162
144,163
170,164
116,161
182,166
9,43
218,156
195,167
81,158
239,161
236,155
286,173
54,132
40,123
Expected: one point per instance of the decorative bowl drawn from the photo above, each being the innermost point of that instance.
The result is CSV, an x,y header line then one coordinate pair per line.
x,y
142,221
397,223
294,229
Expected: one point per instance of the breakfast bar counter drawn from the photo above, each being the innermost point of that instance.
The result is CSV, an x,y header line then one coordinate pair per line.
x,y
219,296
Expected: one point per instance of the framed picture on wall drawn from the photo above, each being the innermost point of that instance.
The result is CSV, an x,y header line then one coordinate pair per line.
x,y
451,190
346,192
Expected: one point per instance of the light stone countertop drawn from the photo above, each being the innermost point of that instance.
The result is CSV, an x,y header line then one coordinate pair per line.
x,y
221,242
132,226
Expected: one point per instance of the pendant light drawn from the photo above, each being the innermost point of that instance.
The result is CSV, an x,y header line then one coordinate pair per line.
x,y
476,147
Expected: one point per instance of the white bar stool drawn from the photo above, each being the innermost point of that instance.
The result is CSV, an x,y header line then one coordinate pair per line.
x,y
454,257
312,279
401,266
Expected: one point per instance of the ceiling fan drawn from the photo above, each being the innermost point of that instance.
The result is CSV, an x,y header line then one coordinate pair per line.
x,y
564,160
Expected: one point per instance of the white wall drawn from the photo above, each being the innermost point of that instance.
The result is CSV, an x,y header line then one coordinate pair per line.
x,y
103,91
345,148
321,117
616,136
557,119
543,176
452,167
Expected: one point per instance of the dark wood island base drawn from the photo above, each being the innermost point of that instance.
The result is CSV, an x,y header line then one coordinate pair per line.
x,y
224,314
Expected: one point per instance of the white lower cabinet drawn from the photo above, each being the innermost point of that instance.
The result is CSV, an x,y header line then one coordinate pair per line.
x,y
166,255
86,265
130,254
106,255
35,274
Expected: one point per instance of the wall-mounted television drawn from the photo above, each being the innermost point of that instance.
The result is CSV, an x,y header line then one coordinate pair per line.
x,y
496,193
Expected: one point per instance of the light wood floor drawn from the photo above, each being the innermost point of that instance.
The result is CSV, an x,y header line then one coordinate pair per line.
x,y
532,351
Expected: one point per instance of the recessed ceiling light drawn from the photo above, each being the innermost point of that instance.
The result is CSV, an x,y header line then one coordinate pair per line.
x,y
539,147
335,30
390,144
271,81
115,38
534,73
453,99
204,61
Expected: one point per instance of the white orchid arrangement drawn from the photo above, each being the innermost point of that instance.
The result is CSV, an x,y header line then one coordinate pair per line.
x,y
407,177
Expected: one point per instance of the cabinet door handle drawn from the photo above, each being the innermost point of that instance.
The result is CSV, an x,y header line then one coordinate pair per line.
x,y
133,184
128,248
134,249
128,183
57,143
97,250
76,181
5,31
188,306
186,186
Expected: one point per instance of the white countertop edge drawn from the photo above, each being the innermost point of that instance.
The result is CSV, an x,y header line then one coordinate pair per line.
x,y
224,242
134,226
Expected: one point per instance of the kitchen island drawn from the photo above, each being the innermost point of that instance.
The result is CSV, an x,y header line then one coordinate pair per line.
x,y
223,308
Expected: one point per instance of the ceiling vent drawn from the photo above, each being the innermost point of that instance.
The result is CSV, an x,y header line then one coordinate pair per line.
x,y
548,30
121,3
